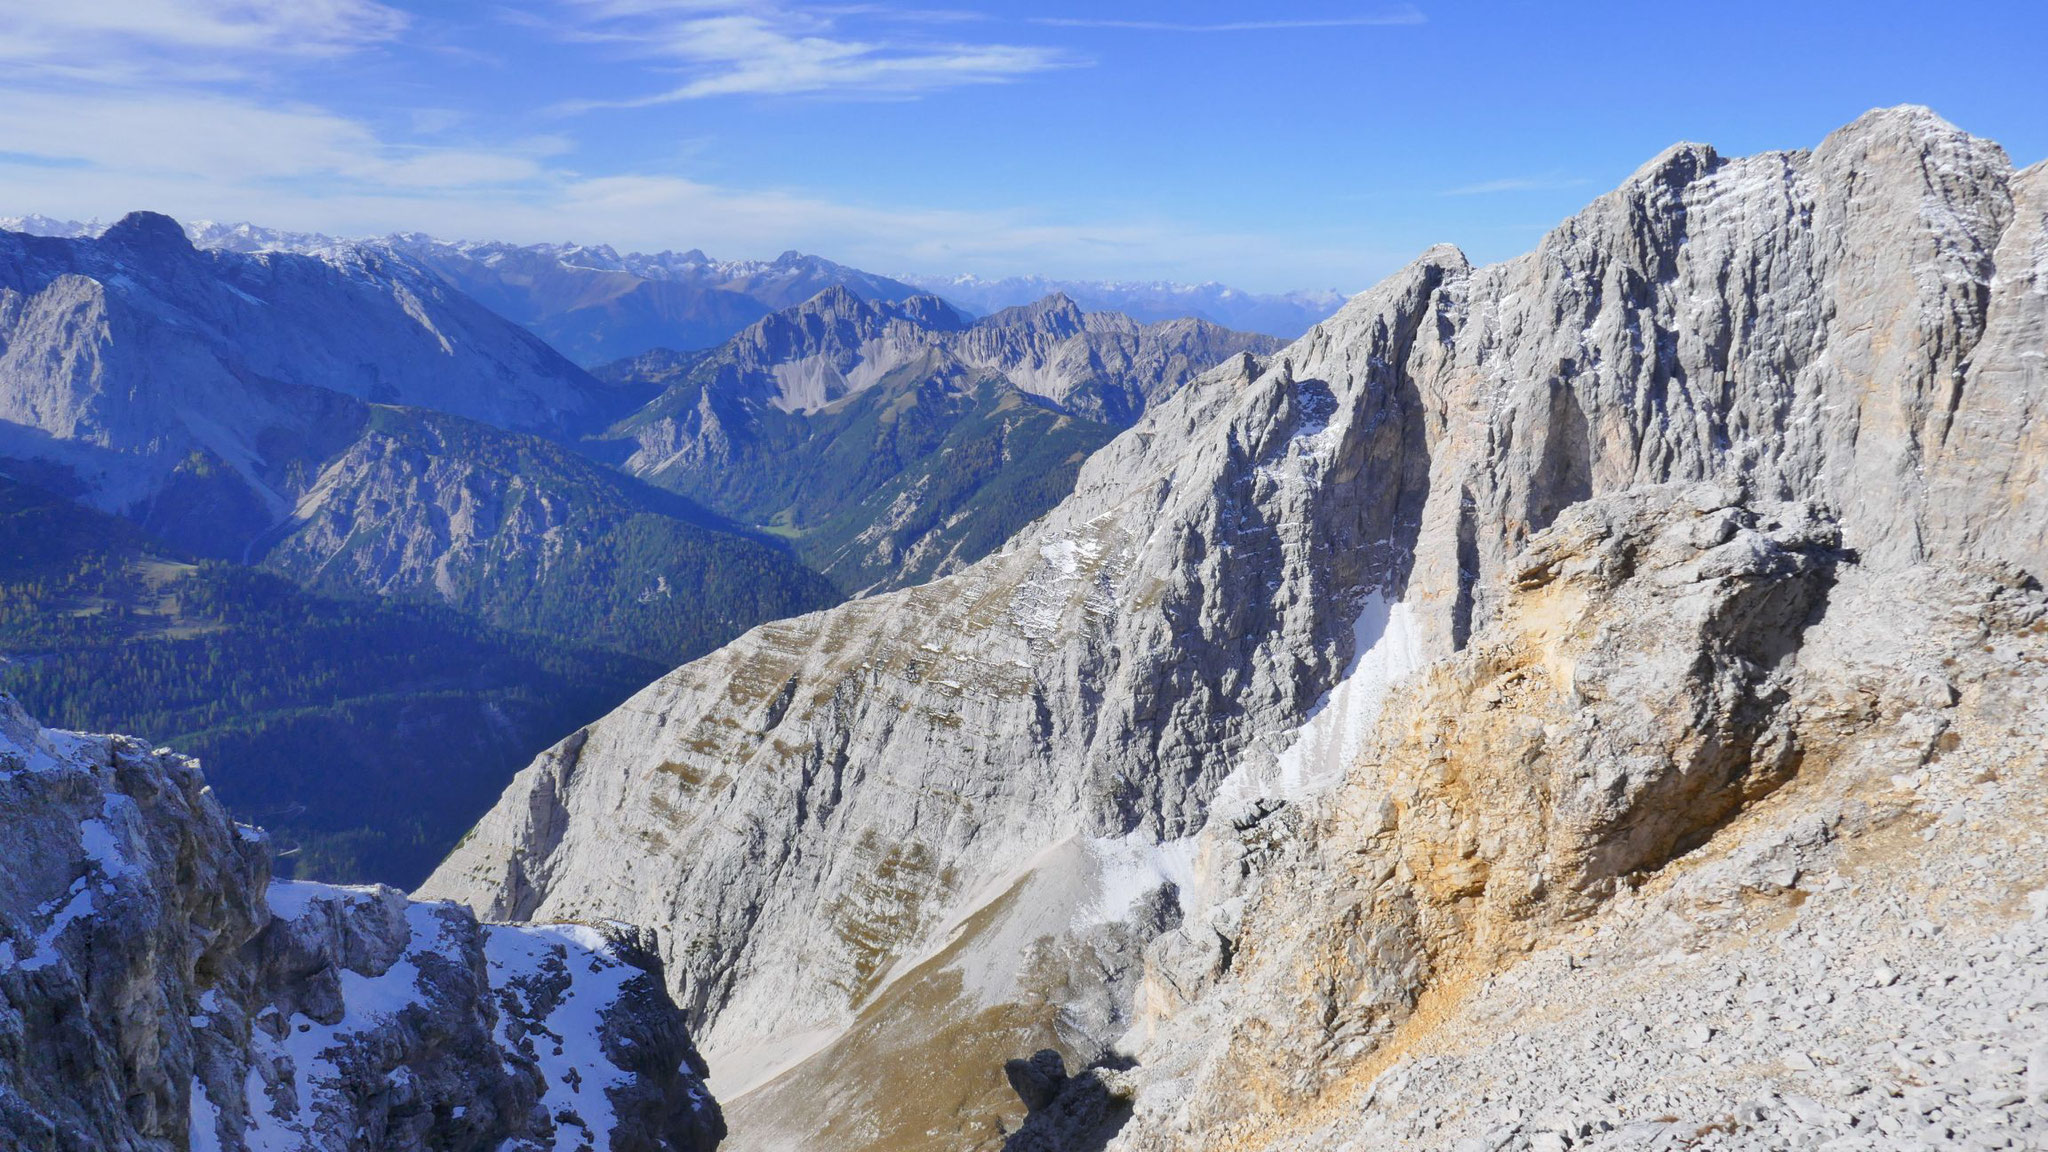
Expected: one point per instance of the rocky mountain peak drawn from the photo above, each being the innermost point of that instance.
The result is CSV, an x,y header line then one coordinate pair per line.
x,y
1904,120
148,232
1056,314
158,990
836,299
933,312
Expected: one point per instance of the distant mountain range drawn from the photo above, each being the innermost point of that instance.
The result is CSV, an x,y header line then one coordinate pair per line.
x,y
597,305
352,421
1287,314
896,441
328,483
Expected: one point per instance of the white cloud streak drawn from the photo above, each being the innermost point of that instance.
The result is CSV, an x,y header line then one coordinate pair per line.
x,y
306,169
175,105
133,138
130,40
1406,14
735,47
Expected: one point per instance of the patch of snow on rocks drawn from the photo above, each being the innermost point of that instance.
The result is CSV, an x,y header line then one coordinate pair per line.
x,y
529,962
1386,646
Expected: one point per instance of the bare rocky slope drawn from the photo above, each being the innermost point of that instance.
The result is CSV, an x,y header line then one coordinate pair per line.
x,y
158,992
525,534
1513,620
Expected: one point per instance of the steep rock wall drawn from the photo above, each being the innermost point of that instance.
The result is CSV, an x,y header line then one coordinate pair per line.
x,y
829,803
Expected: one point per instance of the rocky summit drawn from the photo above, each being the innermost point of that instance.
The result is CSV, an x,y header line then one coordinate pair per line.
x,y
158,991
1592,700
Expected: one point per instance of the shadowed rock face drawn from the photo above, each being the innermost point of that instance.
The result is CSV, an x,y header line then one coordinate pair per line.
x,y
157,992
902,788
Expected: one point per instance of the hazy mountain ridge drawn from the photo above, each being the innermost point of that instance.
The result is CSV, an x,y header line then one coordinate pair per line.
x,y
223,403
597,304
219,399
896,440
129,357
930,829
1283,314
524,534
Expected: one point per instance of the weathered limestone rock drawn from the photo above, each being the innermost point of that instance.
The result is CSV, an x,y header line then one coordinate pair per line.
x,y
910,787
157,992
1699,762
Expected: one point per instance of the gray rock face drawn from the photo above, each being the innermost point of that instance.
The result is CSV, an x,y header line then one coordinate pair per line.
x,y
157,372
157,992
1689,843
893,794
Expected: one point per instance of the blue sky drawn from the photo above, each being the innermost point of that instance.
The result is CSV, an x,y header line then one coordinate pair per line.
x,y
1286,144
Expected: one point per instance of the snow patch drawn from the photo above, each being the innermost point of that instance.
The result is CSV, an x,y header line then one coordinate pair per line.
x,y
78,907
1132,867
26,746
205,1125
569,1048
102,845
290,899
1386,646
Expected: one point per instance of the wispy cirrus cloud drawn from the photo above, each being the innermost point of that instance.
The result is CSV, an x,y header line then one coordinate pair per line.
x,y
1405,14
136,94
131,40
1518,184
747,47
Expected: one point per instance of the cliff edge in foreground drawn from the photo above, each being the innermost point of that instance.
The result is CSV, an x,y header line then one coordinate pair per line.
x,y
158,992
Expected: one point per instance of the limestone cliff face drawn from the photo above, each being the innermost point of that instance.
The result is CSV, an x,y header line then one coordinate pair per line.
x,y
1699,748
1629,696
157,992
954,791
